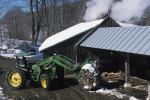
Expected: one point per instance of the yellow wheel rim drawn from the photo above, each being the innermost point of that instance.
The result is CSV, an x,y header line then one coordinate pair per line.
x,y
44,83
15,79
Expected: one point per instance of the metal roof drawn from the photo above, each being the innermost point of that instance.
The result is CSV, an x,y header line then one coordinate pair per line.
x,y
69,33
124,39
74,31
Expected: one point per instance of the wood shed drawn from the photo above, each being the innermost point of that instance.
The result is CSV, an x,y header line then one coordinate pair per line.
x,y
126,48
66,41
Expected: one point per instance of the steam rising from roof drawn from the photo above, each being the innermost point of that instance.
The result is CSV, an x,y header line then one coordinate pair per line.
x,y
122,10
97,9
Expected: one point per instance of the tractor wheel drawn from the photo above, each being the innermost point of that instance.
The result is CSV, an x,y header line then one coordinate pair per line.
x,y
45,81
16,79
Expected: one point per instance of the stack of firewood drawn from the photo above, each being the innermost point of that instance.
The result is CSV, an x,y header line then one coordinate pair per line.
x,y
112,76
87,78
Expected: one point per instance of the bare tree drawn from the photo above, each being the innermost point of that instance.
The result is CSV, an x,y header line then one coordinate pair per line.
x,y
37,15
45,18
53,12
33,20
17,27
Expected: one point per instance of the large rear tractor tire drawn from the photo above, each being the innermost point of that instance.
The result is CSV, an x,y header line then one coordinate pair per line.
x,y
16,79
45,81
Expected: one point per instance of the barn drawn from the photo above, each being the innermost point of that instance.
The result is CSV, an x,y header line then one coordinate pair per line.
x,y
66,41
115,45
75,42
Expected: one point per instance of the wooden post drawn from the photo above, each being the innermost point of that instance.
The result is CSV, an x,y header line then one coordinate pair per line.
x,y
76,53
127,72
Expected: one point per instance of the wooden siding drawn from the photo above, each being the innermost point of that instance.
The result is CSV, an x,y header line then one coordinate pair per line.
x,y
70,47
66,48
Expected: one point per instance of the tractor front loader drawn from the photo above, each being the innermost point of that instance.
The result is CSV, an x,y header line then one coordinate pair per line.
x,y
43,72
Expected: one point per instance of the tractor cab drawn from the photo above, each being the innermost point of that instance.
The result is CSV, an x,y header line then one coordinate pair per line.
x,y
22,61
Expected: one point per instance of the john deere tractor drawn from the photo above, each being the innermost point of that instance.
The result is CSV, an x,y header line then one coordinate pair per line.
x,y
44,72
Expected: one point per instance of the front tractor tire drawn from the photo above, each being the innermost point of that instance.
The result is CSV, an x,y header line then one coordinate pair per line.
x,y
16,79
45,81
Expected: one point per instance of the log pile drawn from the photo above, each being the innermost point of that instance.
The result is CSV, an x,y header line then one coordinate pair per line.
x,y
87,78
88,75
112,76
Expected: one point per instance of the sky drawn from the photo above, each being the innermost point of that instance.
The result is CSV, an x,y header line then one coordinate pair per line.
x,y
6,5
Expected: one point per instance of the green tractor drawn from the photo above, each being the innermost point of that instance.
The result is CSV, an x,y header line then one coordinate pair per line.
x,y
44,72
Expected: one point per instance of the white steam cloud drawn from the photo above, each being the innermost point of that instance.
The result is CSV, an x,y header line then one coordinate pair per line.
x,y
129,10
122,10
96,9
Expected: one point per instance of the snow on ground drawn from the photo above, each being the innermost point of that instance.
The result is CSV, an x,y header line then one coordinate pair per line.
x,y
7,55
9,51
133,98
113,92
147,99
9,47
37,56
140,87
3,47
2,96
